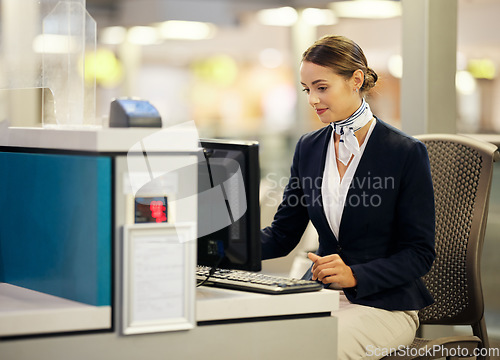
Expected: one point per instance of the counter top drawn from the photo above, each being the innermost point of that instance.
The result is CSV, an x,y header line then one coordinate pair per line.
x,y
26,312
215,304
182,137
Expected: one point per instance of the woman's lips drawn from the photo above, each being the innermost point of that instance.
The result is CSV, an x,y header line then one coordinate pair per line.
x,y
320,111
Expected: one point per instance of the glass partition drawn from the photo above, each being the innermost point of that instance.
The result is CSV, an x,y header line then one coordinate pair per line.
x,y
44,44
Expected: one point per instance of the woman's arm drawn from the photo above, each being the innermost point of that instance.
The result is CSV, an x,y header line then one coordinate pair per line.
x,y
291,218
413,251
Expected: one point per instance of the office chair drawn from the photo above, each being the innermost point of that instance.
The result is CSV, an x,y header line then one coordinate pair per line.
x,y
461,170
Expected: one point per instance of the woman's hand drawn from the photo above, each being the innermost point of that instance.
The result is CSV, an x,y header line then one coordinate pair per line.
x,y
332,269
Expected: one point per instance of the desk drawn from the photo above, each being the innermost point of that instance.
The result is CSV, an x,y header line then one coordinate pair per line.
x,y
25,312
215,304
285,327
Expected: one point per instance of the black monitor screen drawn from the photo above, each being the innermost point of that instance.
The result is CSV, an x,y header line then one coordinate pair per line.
x,y
228,205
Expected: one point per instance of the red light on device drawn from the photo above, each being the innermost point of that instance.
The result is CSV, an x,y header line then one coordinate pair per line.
x,y
158,211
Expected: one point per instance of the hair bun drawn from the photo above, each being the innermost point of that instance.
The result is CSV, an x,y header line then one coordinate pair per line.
x,y
371,78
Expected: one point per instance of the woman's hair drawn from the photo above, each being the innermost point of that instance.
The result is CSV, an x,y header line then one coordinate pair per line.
x,y
343,56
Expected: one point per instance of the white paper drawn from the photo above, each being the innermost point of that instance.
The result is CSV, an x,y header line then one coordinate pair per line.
x,y
158,278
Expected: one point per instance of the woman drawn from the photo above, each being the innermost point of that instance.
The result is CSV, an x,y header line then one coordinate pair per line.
x,y
367,189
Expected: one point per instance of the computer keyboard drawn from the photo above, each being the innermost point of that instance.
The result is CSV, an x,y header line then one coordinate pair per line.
x,y
254,282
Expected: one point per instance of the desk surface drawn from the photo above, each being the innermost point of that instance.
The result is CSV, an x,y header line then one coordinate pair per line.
x,y
25,312
279,337
182,137
213,304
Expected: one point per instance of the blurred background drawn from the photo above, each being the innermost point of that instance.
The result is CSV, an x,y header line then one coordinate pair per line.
x,y
232,67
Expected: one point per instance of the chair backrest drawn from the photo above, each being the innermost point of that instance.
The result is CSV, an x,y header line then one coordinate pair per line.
x,y
462,170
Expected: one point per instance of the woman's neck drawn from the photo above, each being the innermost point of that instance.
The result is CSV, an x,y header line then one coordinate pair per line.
x,y
360,134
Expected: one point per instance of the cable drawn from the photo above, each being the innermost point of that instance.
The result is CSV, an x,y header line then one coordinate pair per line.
x,y
220,244
212,271
207,154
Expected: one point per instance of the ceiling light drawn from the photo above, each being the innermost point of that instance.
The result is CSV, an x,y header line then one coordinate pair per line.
x,y
54,44
142,35
317,17
186,30
367,9
284,16
113,35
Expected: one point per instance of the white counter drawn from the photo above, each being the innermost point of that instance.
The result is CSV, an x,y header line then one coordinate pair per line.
x,y
215,304
27,312
182,137
272,336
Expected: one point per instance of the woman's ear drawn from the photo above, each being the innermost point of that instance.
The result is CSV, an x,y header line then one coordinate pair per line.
x,y
358,78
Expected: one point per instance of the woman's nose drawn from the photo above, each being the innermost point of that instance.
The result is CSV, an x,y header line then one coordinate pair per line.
x,y
313,99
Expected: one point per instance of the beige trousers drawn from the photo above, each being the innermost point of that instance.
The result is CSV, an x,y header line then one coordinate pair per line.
x,y
370,333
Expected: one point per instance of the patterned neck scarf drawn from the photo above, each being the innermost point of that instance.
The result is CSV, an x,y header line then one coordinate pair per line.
x,y
348,144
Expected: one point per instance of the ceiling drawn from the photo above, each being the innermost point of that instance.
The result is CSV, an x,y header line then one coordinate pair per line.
x,y
220,12
478,26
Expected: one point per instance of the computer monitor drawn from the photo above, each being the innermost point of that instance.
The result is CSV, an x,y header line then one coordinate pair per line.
x,y
228,205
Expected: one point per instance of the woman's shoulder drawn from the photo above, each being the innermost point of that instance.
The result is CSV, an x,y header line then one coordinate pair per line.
x,y
316,135
394,137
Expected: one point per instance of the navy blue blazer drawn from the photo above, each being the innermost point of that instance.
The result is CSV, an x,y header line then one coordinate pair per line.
x,y
387,228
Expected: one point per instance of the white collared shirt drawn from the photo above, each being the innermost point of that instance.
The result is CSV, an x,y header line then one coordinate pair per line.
x,y
333,190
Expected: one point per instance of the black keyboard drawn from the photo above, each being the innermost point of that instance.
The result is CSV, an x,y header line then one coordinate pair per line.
x,y
255,282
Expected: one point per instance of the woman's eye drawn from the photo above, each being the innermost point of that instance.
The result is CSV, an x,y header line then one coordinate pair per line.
x,y
322,88
306,90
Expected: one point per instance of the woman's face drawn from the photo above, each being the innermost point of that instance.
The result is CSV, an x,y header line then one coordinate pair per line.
x,y
332,96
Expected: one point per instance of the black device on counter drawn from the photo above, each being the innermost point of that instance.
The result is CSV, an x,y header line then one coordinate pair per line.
x,y
129,112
